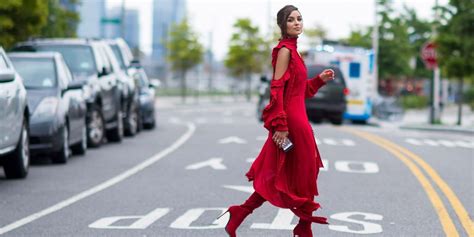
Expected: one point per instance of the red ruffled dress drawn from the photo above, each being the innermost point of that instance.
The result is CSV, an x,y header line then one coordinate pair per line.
x,y
288,180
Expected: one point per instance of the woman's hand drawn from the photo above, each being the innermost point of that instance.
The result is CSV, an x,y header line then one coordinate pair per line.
x,y
279,137
327,75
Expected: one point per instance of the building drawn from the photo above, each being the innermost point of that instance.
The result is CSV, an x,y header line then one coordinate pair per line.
x,y
165,14
91,13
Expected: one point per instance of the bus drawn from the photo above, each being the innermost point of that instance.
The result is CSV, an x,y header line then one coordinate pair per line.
x,y
357,65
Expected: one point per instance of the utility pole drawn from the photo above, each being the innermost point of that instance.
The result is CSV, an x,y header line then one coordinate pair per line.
x,y
375,48
122,20
435,84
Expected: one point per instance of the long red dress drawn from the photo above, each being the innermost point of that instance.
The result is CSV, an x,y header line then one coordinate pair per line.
x,y
288,180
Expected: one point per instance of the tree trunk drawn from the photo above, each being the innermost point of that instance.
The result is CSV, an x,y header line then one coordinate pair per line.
x,y
248,79
460,100
183,86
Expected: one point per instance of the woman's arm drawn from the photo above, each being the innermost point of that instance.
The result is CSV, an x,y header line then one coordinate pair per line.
x,y
313,85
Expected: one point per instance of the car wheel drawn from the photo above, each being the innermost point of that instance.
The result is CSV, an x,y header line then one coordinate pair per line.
x,y
81,147
337,120
116,134
95,128
63,154
132,121
316,119
17,164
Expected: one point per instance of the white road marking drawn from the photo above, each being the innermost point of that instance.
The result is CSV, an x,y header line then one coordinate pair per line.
x,y
440,142
348,142
232,139
104,185
250,160
364,227
282,221
414,141
185,221
329,141
246,189
347,166
142,223
215,163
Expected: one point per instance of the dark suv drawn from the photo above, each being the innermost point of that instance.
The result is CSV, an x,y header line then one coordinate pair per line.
x,y
329,102
89,64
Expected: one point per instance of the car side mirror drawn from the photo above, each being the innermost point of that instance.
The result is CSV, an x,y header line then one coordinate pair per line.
x,y
155,83
7,76
103,72
75,85
264,79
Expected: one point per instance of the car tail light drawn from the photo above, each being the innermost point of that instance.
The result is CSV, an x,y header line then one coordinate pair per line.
x,y
346,91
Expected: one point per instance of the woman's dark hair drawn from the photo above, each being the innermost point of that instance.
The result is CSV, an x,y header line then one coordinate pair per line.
x,y
282,17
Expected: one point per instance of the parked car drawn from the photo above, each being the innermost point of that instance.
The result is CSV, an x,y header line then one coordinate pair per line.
x,y
147,88
130,93
14,119
89,65
330,100
58,108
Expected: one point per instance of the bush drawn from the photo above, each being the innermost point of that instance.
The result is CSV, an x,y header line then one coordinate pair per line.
x,y
414,101
469,97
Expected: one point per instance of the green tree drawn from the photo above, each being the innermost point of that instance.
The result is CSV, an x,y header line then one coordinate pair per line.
x,y
394,46
61,22
456,43
185,51
360,37
246,52
315,34
419,32
21,19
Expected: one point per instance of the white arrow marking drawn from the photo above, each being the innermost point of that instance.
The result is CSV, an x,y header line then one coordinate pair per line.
x,y
215,163
232,139
245,189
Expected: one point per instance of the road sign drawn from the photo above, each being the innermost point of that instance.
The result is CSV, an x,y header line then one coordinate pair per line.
x,y
110,20
428,54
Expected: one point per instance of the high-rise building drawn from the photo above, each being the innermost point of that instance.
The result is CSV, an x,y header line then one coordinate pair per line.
x,y
165,14
131,28
92,12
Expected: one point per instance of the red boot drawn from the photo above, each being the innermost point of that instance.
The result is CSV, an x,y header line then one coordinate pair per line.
x,y
239,213
303,229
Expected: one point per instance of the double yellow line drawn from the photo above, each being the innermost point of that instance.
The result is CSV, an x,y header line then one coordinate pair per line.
x,y
411,160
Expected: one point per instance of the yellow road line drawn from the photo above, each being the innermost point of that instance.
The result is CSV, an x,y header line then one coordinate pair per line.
x,y
445,219
448,192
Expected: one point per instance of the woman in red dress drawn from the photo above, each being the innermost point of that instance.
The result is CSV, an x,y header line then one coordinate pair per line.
x,y
286,179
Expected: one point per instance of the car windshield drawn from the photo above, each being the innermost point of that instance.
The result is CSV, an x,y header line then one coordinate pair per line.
x,y
316,70
79,58
118,55
36,72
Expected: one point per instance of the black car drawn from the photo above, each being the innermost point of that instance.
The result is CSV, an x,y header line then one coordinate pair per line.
x,y
131,104
329,102
89,65
58,109
147,88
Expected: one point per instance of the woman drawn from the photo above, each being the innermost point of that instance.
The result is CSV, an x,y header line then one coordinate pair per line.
x,y
286,179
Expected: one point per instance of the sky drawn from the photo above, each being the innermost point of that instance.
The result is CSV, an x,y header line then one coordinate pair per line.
x,y
216,17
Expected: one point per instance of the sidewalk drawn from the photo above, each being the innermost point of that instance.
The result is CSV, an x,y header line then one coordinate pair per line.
x,y
419,119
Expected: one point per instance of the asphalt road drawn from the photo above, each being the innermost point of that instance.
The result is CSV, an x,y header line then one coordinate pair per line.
x,y
175,180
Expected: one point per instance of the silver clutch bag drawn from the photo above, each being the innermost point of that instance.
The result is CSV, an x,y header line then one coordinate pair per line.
x,y
287,145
